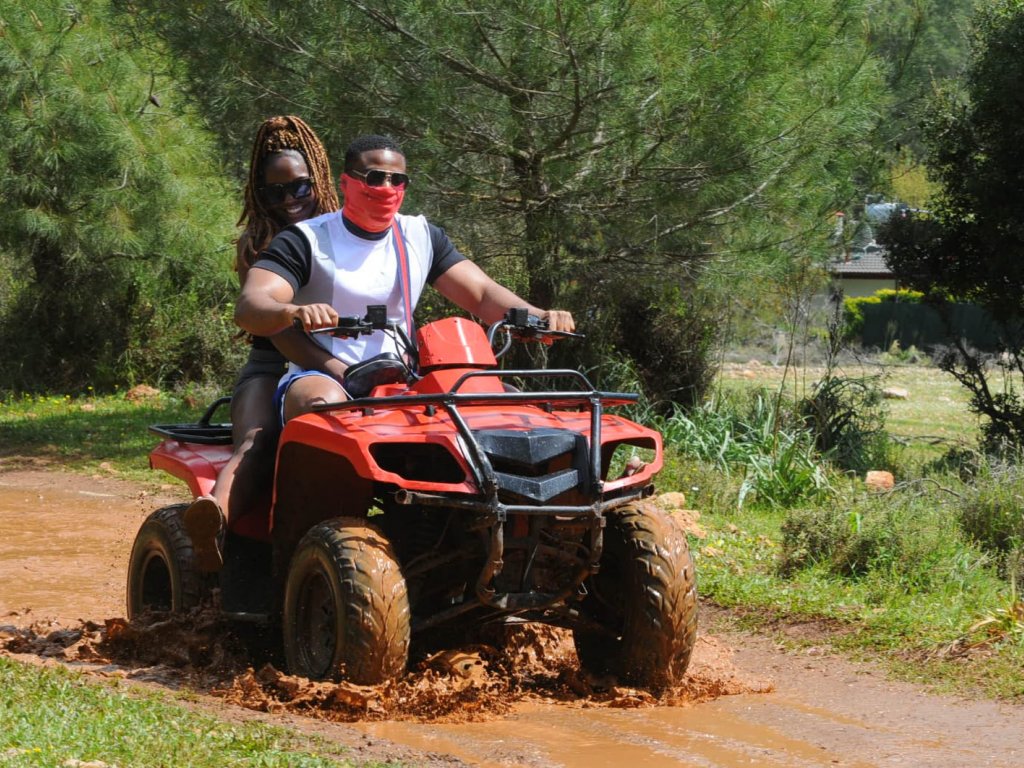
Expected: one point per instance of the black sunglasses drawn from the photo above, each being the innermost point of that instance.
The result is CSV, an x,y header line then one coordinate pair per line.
x,y
298,189
377,178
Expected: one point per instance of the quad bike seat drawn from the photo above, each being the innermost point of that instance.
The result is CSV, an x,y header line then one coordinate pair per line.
x,y
385,368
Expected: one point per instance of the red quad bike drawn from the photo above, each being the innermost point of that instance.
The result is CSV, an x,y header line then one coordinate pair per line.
x,y
443,499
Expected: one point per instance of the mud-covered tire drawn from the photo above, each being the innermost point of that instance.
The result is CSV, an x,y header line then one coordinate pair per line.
x,y
646,594
162,574
346,609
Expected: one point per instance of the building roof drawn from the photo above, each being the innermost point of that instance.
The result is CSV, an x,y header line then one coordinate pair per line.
x,y
861,263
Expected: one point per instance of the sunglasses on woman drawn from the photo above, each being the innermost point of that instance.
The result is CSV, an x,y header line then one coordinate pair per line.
x,y
299,189
377,178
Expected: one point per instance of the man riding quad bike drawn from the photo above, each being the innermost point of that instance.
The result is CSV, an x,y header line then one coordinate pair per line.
x,y
441,497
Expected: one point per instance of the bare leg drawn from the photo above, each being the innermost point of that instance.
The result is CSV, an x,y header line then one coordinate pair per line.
x,y
309,391
248,477
255,430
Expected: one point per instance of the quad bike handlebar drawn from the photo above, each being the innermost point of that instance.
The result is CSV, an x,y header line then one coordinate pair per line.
x,y
519,324
350,327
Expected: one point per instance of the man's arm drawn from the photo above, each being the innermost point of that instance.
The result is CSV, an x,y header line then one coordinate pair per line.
x,y
473,290
265,306
306,353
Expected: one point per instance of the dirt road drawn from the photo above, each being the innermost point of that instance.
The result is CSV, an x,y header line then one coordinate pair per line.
x,y
64,545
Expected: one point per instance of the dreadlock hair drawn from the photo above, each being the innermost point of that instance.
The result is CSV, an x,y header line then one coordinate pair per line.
x,y
276,135
368,143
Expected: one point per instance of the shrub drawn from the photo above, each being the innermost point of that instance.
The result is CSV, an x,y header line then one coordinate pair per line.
x,y
669,342
991,513
901,537
810,536
756,437
847,417
854,307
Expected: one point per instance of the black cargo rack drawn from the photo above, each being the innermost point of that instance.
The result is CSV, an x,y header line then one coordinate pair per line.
x,y
204,432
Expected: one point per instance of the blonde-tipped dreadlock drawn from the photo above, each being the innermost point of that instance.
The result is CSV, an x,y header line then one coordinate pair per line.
x,y
279,134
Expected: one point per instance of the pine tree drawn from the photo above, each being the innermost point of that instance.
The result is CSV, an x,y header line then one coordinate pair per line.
x,y
114,214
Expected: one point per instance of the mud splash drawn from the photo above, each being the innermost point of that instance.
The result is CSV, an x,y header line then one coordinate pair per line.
x,y
522,664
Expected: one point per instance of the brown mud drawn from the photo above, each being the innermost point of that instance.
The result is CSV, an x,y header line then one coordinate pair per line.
x,y
518,698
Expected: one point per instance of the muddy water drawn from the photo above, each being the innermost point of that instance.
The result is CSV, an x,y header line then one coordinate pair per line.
x,y
778,730
64,546
718,733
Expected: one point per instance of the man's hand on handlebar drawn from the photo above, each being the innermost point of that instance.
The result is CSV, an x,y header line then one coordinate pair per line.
x,y
559,320
313,316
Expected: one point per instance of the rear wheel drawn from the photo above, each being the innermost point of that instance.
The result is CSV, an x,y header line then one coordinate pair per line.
x,y
646,595
162,574
346,609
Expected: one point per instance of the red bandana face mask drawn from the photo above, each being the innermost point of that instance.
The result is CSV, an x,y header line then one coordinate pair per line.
x,y
369,208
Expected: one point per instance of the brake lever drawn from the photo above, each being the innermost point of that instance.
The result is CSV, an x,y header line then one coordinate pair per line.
x,y
543,335
347,328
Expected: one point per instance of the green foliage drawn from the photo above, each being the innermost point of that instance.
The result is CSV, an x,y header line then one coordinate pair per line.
x,y
846,415
113,211
590,154
968,248
668,341
789,473
54,717
991,513
853,307
894,536
778,461
921,41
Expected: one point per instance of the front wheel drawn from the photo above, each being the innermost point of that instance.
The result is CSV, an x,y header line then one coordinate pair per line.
x,y
645,595
162,573
346,610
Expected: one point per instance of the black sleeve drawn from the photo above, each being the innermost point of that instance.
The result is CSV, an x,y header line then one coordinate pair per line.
x,y
446,255
289,255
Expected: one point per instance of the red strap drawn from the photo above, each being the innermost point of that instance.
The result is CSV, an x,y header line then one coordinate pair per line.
x,y
404,279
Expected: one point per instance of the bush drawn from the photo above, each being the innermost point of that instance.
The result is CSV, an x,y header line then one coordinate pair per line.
x,y
991,513
757,437
847,418
668,342
810,536
853,307
904,538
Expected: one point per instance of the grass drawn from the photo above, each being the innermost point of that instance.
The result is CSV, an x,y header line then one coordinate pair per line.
x,y
879,616
91,433
54,717
896,577
933,418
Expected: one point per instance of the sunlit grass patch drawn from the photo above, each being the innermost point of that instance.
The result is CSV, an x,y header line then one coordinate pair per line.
x,y
107,433
55,717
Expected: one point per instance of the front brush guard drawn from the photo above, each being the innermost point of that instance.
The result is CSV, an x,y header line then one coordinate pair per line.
x,y
494,514
491,509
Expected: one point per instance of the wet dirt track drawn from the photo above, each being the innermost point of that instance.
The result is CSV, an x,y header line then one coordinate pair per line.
x,y
64,545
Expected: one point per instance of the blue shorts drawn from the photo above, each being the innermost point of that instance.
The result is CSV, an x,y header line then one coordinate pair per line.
x,y
285,384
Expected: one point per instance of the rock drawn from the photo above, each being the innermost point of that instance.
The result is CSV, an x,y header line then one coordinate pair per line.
x,y
671,500
879,480
895,393
141,392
